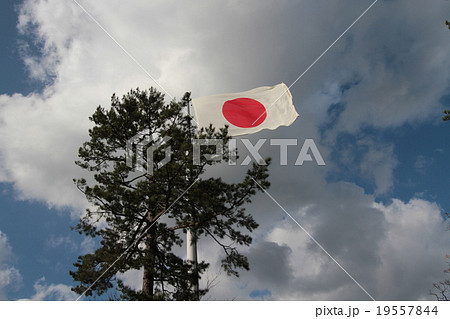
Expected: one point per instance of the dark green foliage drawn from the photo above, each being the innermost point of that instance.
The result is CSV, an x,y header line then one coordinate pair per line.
x,y
139,217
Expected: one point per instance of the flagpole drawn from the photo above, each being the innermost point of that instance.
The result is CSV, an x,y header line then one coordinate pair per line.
x,y
191,242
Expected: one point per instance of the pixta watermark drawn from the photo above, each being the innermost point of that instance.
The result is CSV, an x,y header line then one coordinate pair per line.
x,y
306,151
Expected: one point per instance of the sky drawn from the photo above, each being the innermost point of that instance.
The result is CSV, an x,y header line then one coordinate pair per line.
x,y
372,104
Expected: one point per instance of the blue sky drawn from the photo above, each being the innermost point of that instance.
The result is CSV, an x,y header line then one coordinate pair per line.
x,y
30,225
373,105
11,62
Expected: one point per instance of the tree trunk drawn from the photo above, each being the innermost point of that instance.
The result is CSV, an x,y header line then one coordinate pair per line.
x,y
148,281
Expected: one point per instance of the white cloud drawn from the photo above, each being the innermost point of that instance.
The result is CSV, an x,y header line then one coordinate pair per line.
x,y
394,251
10,278
41,133
54,292
413,252
379,74
132,278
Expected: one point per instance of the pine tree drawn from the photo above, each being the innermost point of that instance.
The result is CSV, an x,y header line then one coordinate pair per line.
x,y
138,217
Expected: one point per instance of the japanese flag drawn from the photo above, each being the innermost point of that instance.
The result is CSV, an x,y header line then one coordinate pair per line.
x,y
247,112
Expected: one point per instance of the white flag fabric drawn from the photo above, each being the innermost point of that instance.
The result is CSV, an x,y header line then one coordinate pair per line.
x,y
247,112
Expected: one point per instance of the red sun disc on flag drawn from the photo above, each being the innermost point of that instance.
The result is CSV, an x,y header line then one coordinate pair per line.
x,y
244,112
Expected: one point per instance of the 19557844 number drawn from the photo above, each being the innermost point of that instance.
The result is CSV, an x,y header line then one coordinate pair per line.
x,y
406,310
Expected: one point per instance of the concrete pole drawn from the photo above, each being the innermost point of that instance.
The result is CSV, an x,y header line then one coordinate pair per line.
x,y
191,243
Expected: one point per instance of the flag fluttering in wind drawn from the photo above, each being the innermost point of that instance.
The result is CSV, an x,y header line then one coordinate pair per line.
x,y
247,112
